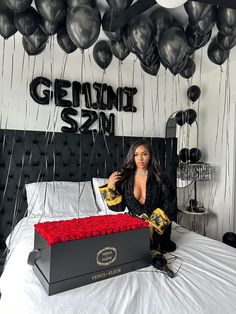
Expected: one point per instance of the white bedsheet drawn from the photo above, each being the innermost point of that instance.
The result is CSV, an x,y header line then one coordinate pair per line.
x,y
206,283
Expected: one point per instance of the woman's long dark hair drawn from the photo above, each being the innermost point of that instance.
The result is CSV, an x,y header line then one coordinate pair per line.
x,y
129,166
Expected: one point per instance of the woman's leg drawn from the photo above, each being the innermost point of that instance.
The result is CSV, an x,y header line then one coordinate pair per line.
x,y
162,242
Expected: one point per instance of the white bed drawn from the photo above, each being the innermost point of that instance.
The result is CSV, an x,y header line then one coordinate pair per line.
x,y
206,282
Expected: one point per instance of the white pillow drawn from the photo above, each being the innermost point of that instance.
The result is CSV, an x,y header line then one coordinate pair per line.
x,y
61,199
102,206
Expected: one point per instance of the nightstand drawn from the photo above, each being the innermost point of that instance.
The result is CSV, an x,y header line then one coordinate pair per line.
x,y
196,220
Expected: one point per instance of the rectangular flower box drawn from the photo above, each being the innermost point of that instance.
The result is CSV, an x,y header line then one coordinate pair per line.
x,y
67,259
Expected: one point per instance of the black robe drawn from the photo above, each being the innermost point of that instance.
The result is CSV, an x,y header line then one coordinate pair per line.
x,y
159,194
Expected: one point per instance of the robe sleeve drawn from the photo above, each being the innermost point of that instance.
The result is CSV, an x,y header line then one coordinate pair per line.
x,y
113,198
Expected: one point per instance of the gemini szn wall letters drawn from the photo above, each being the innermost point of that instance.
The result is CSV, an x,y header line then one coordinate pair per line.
x,y
72,95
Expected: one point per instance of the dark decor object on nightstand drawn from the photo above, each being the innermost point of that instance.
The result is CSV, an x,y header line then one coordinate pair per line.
x,y
195,172
230,239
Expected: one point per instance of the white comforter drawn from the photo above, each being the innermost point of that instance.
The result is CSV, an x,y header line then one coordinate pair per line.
x,y
206,283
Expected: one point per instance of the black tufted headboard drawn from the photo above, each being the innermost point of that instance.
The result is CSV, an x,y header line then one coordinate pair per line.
x,y
30,156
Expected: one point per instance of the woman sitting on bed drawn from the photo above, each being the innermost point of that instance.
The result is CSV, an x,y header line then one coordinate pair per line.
x,y
147,193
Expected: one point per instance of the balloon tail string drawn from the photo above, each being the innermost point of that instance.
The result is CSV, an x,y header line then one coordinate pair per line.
x,y
218,116
64,67
164,101
42,71
12,62
33,70
143,100
154,109
173,93
11,81
91,65
200,82
50,123
120,116
101,128
225,102
23,65
3,54
133,76
26,100
157,105
81,79
3,61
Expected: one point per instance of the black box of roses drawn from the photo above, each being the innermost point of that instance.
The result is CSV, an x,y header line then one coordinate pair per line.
x,y
72,253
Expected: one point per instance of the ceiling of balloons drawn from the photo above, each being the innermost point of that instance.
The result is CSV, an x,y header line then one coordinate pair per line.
x,y
156,37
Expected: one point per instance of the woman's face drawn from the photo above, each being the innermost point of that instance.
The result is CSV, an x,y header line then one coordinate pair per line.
x,y
141,157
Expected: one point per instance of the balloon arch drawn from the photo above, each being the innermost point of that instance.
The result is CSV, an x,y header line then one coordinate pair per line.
x,y
155,38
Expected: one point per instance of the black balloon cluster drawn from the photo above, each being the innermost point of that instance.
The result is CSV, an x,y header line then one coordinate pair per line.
x,y
192,155
202,18
188,116
157,38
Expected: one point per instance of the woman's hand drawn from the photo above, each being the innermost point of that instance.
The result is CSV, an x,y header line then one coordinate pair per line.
x,y
114,177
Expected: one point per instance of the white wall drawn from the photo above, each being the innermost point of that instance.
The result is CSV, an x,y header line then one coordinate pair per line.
x,y
156,100
217,140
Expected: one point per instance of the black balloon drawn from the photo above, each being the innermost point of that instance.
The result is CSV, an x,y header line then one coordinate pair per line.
x,y
18,5
195,155
30,49
226,42
173,46
140,33
196,10
190,50
4,7
180,118
7,26
53,10
50,28
119,49
190,116
184,154
128,43
216,54
226,21
227,17
189,68
197,40
180,66
193,92
150,56
119,5
27,21
107,19
226,30
75,3
206,23
64,40
162,20
35,43
102,54
152,68
83,25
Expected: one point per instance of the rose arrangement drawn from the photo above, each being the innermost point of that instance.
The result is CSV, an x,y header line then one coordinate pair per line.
x,y
83,228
